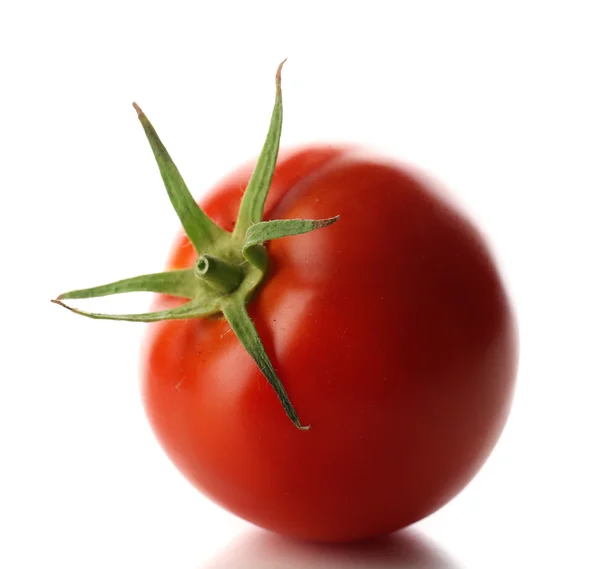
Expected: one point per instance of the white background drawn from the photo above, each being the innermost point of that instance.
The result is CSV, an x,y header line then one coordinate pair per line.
x,y
498,101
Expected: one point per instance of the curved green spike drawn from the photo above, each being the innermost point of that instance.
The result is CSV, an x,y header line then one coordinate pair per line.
x,y
200,229
244,329
253,201
278,228
258,233
191,309
180,282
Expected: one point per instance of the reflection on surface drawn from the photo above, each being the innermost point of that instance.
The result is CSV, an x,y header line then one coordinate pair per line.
x,y
263,550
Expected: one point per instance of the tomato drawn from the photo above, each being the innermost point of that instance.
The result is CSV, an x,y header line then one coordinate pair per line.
x,y
392,333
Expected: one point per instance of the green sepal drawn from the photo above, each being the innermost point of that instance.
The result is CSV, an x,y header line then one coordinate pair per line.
x,y
253,201
244,329
191,309
259,233
181,282
278,228
199,228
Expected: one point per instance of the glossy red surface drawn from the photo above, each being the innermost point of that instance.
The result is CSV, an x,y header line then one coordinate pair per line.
x,y
391,332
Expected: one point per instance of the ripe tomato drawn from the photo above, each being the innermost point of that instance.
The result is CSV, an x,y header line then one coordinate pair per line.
x,y
391,331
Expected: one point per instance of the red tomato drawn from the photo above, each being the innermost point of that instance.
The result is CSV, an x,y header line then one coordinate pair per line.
x,y
391,332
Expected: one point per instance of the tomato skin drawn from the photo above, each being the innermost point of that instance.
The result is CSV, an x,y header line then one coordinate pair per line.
x,y
391,332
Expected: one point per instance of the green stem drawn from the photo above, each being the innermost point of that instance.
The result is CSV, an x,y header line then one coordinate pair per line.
x,y
218,274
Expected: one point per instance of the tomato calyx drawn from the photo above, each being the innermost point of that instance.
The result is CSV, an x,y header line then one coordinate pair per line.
x,y
230,265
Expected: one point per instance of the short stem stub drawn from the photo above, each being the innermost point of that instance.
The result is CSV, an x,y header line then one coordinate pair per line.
x,y
220,275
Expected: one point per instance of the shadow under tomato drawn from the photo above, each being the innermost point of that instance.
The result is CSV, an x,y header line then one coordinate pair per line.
x,y
263,550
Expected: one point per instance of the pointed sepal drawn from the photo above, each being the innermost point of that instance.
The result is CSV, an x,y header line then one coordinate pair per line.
x,y
253,201
244,329
264,231
191,309
200,229
182,283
